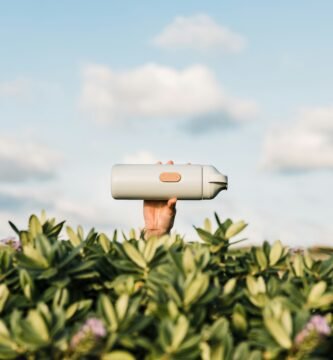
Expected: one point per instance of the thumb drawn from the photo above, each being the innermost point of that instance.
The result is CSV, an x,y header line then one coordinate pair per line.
x,y
172,203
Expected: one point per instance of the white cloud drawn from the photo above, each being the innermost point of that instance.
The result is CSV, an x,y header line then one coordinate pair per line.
x,y
17,203
14,88
319,119
25,160
199,32
140,157
156,91
262,223
305,145
27,89
81,212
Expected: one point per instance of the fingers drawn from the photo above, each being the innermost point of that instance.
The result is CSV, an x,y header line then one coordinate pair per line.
x,y
170,162
172,203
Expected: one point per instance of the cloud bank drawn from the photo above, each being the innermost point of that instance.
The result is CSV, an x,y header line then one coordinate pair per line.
x,y
25,160
158,92
199,32
14,88
140,157
306,145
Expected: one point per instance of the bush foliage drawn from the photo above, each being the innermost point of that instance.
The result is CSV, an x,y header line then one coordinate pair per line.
x,y
89,297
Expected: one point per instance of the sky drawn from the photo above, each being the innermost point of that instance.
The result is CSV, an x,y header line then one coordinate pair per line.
x,y
243,86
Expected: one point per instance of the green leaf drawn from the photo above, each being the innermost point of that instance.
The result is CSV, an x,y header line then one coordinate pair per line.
x,y
275,253
70,256
287,321
43,217
261,284
242,351
80,233
121,306
3,329
219,224
44,246
261,258
235,229
179,332
25,238
73,237
298,266
278,332
109,312
229,286
188,260
208,237
61,297
37,322
205,351
104,241
325,301
55,231
13,226
134,254
309,261
79,306
118,355
26,283
255,355
35,227
36,257
317,291
252,285
82,266
204,235
151,246
7,348
4,294
239,319
219,330
196,288
208,225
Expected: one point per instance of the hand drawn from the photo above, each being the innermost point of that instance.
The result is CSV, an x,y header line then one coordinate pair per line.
x,y
159,215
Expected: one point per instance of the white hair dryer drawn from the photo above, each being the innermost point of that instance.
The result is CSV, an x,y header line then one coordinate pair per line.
x,y
162,182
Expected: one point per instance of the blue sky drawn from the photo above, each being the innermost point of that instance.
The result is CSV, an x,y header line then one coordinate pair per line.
x,y
244,86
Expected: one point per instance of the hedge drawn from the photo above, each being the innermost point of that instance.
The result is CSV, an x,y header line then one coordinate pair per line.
x,y
70,295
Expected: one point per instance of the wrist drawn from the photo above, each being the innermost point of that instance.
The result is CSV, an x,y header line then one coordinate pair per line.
x,y
148,232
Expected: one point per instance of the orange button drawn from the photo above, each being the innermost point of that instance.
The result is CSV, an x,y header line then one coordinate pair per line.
x,y
170,177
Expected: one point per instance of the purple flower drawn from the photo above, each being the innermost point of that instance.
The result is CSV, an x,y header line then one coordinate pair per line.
x,y
95,326
317,325
11,242
320,325
92,328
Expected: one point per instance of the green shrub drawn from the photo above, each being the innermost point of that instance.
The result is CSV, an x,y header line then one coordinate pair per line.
x,y
91,297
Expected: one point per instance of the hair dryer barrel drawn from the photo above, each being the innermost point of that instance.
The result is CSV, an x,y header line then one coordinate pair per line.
x,y
162,182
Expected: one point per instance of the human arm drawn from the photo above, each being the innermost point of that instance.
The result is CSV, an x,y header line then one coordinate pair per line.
x,y
159,215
